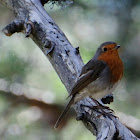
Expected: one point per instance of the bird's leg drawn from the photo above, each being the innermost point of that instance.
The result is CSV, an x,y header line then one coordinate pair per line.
x,y
92,107
100,109
100,106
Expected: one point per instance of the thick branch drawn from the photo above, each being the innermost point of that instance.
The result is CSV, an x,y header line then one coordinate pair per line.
x,y
65,60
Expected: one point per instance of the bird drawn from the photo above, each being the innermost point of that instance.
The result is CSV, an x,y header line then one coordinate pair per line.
x,y
98,78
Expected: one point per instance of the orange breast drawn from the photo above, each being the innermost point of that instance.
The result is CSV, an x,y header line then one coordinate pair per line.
x,y
115,64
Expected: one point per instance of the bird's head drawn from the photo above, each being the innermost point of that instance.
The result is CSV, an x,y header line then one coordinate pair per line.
x,y
106,50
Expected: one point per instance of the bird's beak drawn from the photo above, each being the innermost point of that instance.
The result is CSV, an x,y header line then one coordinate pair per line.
x,y
117,47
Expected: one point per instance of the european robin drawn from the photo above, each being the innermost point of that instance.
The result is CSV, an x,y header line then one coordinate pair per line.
x,y
99,77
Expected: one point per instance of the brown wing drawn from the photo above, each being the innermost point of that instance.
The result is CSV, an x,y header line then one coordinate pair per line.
x,y
92,65
89,73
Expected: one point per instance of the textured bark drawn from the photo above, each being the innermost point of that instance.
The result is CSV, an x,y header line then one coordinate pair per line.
x,y
33,20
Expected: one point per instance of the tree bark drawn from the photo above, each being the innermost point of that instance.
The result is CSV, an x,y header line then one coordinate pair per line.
x,y
32,19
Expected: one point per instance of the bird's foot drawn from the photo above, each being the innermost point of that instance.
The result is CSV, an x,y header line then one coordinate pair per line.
x,y
102,110
100,106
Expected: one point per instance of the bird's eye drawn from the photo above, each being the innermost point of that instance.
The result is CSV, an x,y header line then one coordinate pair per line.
x,y
104,49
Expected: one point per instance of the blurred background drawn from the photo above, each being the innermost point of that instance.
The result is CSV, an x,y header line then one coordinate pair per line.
x,y
31,100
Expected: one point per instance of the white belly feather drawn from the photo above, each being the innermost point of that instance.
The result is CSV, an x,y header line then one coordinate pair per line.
x,y
95,91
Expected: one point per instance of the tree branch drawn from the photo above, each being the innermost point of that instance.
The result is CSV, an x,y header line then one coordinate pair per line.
x,y
33,20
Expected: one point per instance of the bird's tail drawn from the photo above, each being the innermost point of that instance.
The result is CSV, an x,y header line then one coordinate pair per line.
x,y
64,112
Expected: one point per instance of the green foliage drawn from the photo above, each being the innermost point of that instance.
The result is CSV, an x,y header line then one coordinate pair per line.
x,y
13,67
